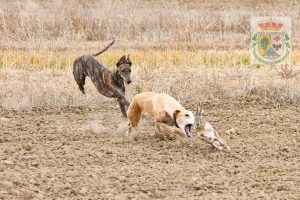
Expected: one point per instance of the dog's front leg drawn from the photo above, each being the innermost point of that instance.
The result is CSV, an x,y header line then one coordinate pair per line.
x,y
122,107
123,102
171,129
162,127
179,132
160,130
121,98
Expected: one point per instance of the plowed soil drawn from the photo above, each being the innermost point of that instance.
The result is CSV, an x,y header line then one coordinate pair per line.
x,y
75,153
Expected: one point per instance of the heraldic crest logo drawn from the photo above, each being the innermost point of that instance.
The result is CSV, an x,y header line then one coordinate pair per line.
x,y
270,40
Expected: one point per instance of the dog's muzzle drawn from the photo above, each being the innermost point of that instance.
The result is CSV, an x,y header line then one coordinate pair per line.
x,y
125,80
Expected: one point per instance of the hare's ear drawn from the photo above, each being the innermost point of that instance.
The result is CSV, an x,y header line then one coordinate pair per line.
x,y
199,110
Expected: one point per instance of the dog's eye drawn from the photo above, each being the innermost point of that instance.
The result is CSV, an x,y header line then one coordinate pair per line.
x,y
129,70
187,115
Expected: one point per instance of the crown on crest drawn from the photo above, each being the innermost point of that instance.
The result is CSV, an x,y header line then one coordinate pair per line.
x,y
266,26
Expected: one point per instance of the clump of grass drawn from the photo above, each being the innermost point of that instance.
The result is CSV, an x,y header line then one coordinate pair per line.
x,y
286,72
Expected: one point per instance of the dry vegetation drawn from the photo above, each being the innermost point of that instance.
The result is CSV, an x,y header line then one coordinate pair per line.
x,y
23,89
34,24
40,40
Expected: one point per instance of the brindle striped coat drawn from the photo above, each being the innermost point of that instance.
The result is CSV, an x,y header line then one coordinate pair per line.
x,y
108,83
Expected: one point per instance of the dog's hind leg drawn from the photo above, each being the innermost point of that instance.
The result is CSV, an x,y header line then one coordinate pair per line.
x,y
81,83
79,74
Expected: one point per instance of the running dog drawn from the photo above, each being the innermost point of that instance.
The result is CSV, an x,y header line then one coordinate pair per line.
x,y
109,83
168,113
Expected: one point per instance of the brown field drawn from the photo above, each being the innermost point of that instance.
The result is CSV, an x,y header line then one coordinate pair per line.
x,y
56,143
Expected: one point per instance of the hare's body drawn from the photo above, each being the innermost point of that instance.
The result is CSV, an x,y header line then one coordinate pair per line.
x,y
206,132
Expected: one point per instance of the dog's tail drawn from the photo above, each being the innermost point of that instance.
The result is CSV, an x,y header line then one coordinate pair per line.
x,y
79,74
103,50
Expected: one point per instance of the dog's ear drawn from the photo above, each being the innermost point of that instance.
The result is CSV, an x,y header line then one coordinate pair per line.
x,y
175,113
129,61
121,61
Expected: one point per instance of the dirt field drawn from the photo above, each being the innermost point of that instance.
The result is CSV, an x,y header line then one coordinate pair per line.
x,y
74,153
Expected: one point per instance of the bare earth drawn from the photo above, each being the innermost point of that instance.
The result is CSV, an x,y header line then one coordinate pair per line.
x,y
74,153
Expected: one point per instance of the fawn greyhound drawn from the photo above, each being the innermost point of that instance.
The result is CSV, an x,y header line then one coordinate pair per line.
x,y
108,83
168,113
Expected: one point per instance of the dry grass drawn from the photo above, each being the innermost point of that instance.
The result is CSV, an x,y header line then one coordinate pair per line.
x,y
224,24
21,88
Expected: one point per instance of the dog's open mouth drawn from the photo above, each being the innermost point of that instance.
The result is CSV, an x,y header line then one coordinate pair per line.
x,y
187,130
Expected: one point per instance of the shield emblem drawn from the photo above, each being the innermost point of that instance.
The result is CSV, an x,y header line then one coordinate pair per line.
x,y
270,40
270,45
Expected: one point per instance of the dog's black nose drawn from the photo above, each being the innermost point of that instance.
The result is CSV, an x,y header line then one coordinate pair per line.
x,y
128,82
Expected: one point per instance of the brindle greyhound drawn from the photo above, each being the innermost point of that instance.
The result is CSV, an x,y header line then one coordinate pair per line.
x,y
108,83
